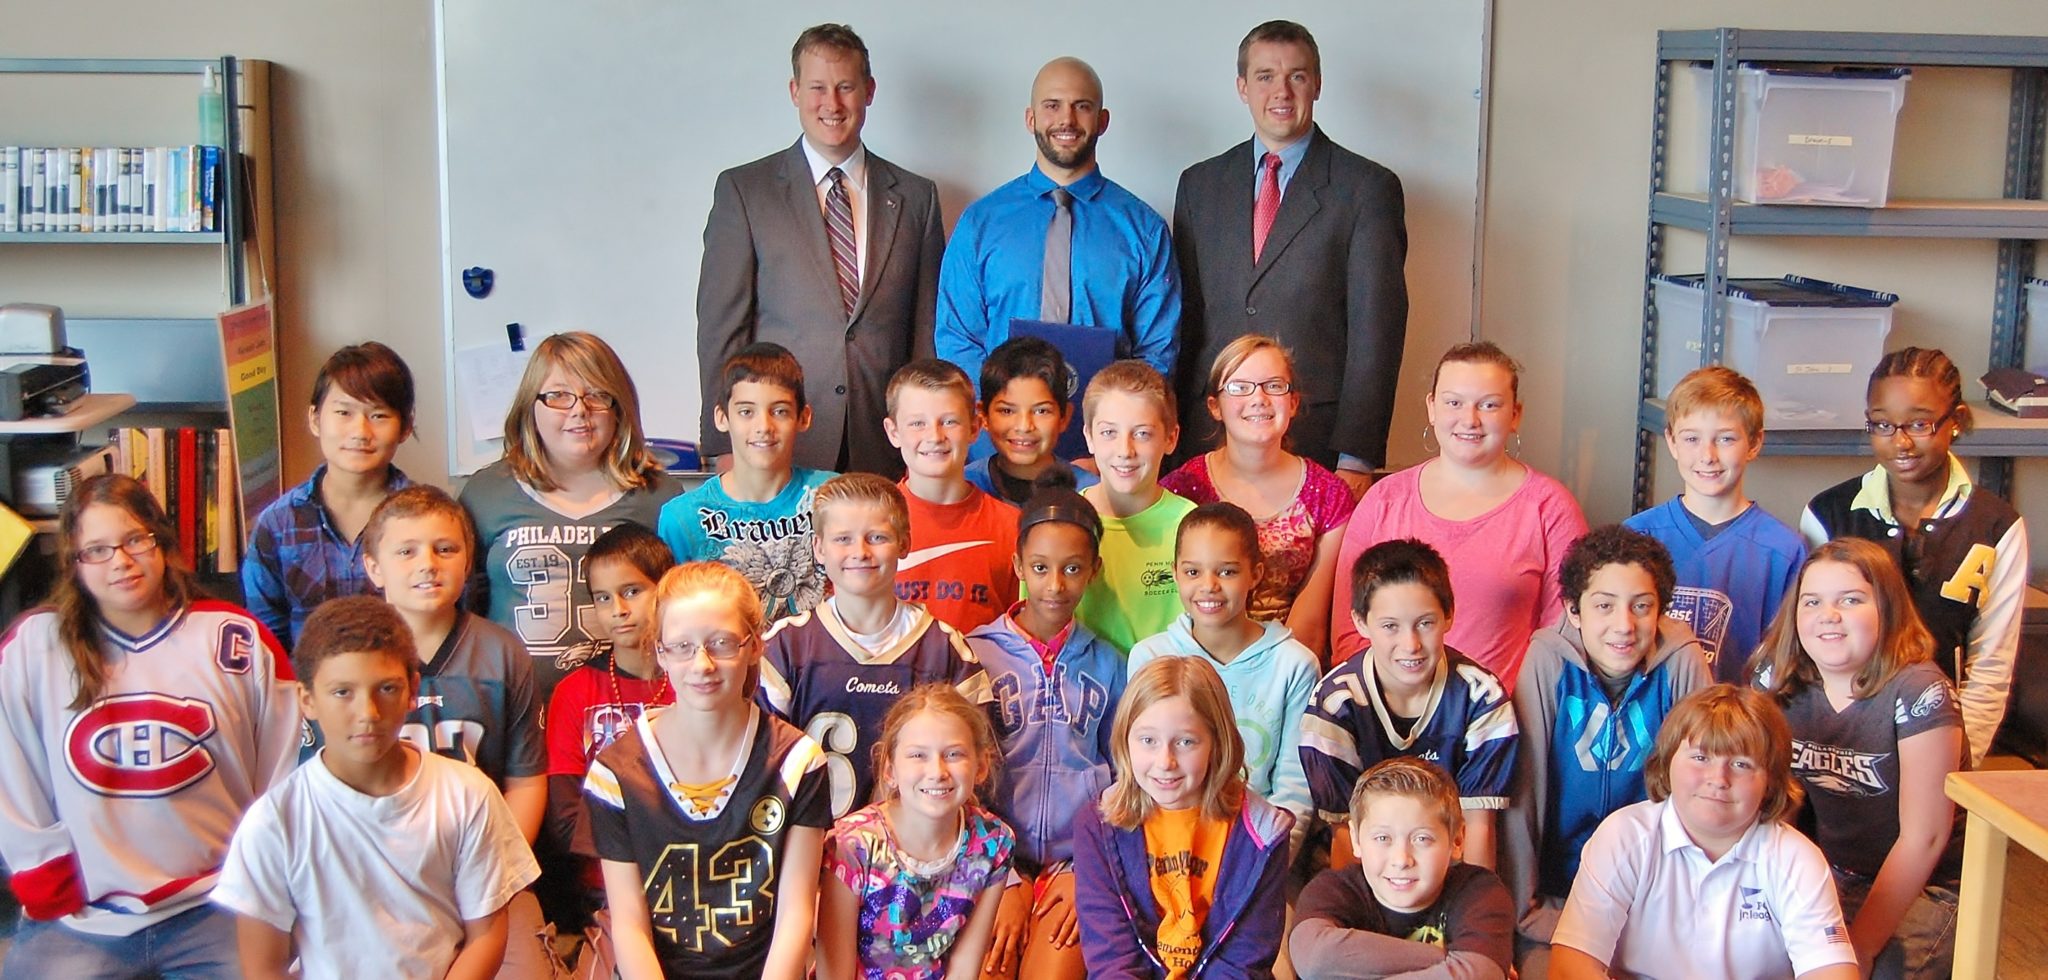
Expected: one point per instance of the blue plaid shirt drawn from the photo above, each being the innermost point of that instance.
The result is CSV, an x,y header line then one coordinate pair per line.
x,y
297,560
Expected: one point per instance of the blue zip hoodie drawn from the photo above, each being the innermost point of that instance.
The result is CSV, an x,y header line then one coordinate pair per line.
x,y
1120,917
1270,683
1054,730
1591,763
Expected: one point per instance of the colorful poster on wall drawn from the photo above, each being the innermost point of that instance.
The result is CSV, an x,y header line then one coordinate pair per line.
x,y
249,344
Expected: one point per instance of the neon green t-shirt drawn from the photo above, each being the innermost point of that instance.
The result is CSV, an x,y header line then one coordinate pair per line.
x,y
1134,597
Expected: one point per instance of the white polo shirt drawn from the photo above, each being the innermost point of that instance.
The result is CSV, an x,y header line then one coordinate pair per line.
x,y
1648,903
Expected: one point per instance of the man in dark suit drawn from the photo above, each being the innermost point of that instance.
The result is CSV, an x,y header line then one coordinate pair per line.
x,y
1290,235
828,250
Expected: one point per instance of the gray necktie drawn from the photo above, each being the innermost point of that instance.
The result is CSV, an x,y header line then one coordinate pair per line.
x,y
1056,292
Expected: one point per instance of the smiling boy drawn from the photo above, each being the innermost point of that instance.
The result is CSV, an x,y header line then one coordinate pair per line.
x,y
374,858
1025,407
1410,903
756,517
959,563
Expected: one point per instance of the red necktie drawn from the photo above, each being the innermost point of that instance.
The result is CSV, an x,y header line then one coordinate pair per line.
x,y
1268,205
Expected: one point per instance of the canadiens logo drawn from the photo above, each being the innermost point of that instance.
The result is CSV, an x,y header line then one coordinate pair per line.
x,y
766,817
140,744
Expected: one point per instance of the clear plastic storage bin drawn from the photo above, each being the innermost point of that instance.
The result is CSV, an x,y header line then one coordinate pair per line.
x,y
1808,345
1811,137
2037,325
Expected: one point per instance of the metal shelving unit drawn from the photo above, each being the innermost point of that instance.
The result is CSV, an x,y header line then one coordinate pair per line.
x,y
2016,219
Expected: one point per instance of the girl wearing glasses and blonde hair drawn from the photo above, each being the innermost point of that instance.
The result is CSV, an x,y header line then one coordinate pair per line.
x,y
138,720
575,465
1300,508
1962,550
709,815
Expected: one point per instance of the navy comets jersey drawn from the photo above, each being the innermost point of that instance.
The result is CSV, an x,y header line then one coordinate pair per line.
x,y
709,882
816,675
1468,730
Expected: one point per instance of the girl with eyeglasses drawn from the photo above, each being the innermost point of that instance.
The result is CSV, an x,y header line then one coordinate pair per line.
x,y
1502,525
138,721
1299,507
576,464
1963,551
709,815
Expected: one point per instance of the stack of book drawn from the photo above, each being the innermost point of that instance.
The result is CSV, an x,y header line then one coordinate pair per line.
x,y
192,473
109,189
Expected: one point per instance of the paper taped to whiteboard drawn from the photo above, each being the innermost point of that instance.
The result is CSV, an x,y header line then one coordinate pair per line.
x,y
488,377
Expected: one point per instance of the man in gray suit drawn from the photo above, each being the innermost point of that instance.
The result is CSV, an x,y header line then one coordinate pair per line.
x,y
1290,235
828,250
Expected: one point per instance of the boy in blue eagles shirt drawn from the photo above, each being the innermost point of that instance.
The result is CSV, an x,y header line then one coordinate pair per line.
x,y
1734,560
756,517
1593,691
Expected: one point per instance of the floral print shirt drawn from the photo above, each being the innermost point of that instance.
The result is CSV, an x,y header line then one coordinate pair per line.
x,y
907,921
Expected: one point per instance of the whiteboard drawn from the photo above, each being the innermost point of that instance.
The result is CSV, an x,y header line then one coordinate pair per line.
x,y
580,142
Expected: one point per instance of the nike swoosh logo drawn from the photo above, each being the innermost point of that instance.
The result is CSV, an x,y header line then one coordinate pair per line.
x,y
923,555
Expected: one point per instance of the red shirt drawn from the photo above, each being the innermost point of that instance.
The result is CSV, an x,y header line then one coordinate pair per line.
x,y
960,564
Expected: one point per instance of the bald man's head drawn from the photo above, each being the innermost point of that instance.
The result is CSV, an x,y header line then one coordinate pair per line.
x,y
1066,117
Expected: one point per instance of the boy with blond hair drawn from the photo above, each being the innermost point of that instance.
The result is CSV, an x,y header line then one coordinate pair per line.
x,y
1410,906
756,517
835,671
964,539
1131,426
1734,559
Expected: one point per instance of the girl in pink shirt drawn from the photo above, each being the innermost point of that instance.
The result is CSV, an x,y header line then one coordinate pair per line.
x,y
1502,526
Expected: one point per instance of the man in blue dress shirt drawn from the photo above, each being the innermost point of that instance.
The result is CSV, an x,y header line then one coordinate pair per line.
x,y
1118,254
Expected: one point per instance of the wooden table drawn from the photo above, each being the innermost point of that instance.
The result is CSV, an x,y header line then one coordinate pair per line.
x,y
2002,806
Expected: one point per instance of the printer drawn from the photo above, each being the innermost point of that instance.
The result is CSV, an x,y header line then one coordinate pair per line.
x,y
40,375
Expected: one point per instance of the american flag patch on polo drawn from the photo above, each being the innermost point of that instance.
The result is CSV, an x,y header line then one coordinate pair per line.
x,y
1838,934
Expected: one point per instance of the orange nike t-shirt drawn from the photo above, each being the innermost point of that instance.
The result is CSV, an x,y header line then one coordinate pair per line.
x,y
959,563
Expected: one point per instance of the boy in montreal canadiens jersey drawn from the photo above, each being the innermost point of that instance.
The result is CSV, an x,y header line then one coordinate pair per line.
x,y
374,859
836,670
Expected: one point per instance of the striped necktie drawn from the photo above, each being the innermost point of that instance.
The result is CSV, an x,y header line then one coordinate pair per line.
x,y
839,227
1267,207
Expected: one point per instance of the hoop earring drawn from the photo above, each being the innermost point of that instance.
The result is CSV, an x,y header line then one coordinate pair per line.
x,y
1428,433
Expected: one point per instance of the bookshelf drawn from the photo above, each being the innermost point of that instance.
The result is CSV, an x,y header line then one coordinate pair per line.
x,y
141,304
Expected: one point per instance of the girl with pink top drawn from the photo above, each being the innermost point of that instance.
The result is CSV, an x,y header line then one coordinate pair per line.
x,y
1299,507
1502,526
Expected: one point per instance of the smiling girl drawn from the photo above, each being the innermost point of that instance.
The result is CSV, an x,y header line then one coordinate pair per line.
x,y
1269,676
1252,393
913,882
575,464
1181,871
1878,731
707,785
1962,550
1501,525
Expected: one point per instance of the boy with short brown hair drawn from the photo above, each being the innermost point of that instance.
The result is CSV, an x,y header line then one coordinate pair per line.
x,y
963,539
1410,906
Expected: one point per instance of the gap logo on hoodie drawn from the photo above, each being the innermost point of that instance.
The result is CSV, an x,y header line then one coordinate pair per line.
x,y
1015,712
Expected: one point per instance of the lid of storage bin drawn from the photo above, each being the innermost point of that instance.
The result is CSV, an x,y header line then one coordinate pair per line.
x,y
1853,72
1791,291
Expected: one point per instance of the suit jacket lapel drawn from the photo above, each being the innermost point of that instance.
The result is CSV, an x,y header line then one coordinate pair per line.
x,y
802,197
1303,199
885,212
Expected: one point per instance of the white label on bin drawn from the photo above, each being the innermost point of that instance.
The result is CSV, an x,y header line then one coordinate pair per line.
x,y
1819,368
1815,139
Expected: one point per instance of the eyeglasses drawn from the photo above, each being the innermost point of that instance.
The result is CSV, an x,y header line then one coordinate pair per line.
x,y
1918,428
139,543
723,648
562,401
1271,386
